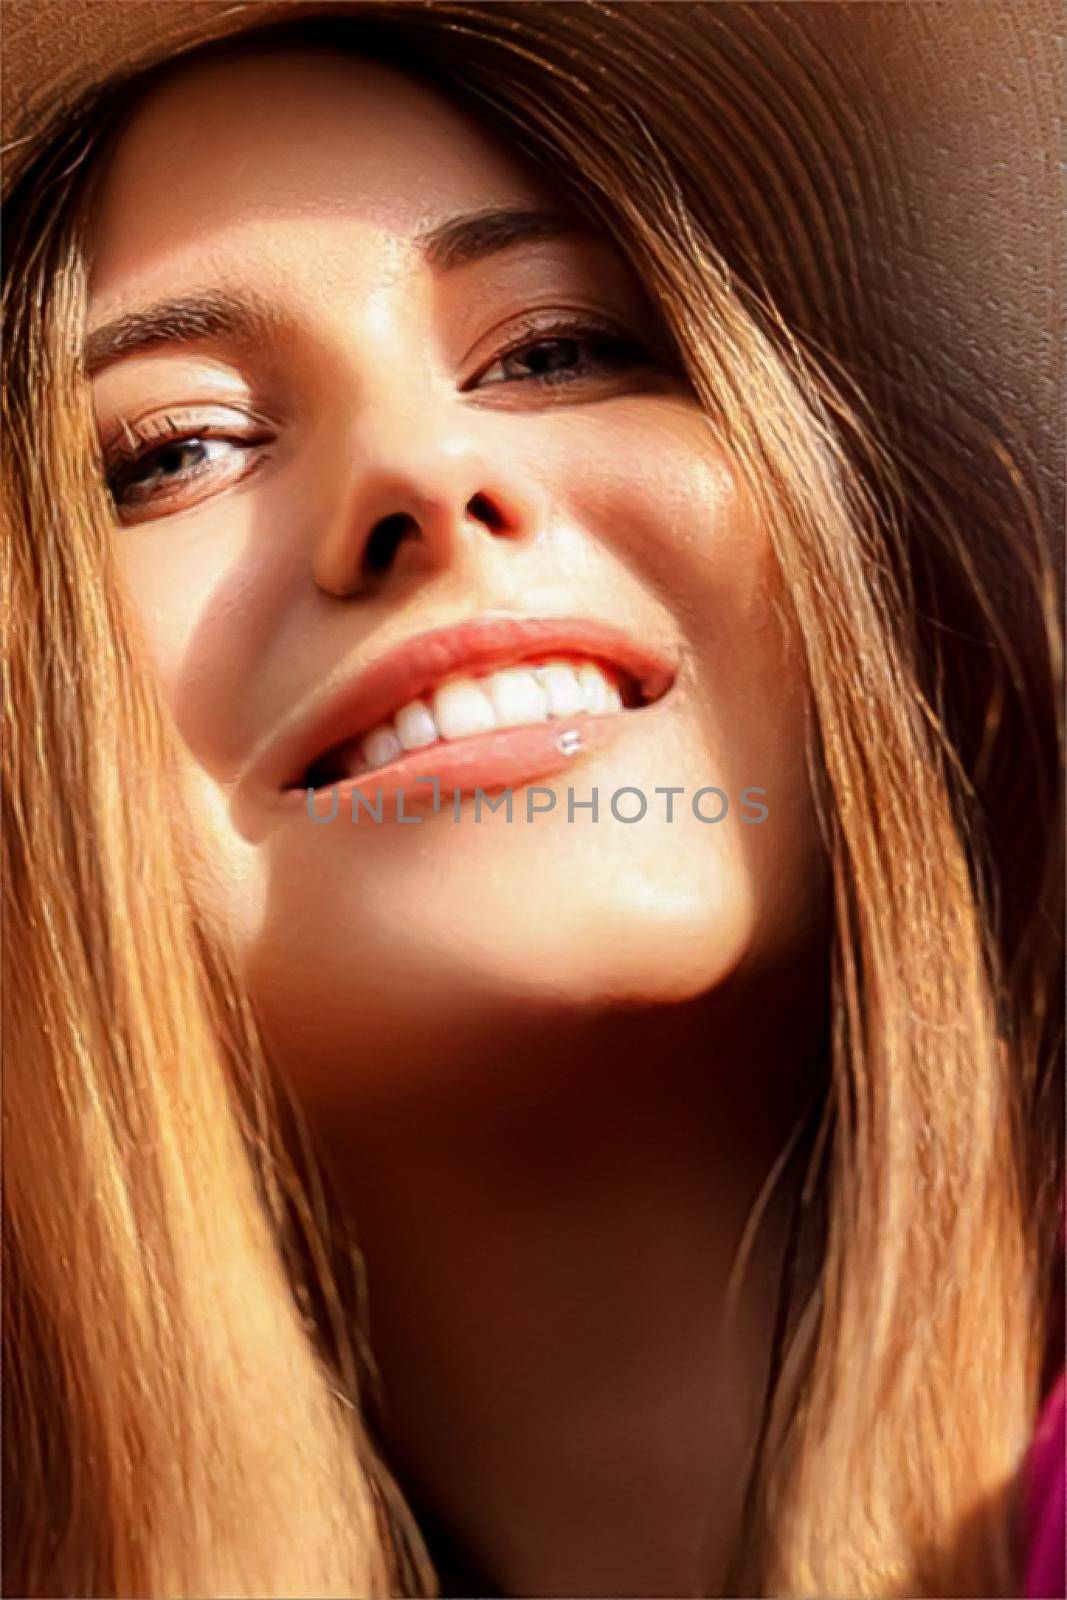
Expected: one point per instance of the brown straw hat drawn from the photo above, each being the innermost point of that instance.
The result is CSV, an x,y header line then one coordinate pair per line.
x,y
910,149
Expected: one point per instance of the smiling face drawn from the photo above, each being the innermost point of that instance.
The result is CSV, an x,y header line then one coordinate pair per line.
x,y
394,421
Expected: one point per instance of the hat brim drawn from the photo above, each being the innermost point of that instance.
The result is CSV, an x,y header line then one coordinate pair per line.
x,y
938,127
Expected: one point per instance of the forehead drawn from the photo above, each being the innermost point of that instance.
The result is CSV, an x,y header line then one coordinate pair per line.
x,y
291,146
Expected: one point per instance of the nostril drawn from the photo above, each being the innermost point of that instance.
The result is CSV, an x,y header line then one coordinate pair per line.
x,y
387,536
487,512
390,532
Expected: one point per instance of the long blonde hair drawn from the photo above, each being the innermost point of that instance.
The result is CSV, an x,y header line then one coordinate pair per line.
x,y
185,1369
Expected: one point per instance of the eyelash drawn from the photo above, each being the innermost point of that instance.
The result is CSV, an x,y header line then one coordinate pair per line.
x,y
145,440
621,347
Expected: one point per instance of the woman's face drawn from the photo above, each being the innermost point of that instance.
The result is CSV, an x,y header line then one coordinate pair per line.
x,y
394,423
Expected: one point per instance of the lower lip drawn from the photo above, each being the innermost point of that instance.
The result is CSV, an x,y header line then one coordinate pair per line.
x,y
502,759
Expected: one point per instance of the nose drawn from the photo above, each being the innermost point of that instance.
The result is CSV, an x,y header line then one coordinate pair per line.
x,y
419,503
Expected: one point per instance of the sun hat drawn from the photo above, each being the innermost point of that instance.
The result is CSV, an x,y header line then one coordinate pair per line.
x,y
908,154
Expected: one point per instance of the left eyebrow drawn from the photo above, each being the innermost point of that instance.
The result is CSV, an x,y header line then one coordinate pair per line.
x,y
242,316
461,240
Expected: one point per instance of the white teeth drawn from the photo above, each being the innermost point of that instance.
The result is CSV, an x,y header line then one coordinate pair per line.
x,y
415,726
594,688
461,708
511,698
561,685
517,698
381,746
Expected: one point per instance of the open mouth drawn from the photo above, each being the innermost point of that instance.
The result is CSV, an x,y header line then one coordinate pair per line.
x,y
543,688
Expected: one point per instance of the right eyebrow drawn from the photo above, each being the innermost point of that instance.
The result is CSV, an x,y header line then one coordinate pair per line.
x,y
243,317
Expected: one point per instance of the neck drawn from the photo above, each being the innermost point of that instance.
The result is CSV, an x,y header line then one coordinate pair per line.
x,y
548,1240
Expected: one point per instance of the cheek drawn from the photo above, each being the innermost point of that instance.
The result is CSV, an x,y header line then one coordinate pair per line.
x,y
177,591
649,483
230,878
658,493
648,479
196,600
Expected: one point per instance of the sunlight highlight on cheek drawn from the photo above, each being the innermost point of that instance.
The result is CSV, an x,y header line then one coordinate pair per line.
x,y
167,604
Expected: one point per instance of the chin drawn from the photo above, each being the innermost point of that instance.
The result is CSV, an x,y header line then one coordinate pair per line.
x,y
627,942
396,973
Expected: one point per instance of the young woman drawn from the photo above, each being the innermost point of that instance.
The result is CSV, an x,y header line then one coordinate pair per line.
x,y
532,844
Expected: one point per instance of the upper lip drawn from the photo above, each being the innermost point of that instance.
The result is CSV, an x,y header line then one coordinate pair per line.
x,y
377,690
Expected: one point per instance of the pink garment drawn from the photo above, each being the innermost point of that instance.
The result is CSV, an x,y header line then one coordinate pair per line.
x,y
1045,1469
1046,1492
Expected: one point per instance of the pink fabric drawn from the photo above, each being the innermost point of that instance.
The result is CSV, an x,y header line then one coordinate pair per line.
x,y
1045,1469
1046,1494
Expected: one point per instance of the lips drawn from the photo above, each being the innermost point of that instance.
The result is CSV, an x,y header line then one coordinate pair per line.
x,y
344,714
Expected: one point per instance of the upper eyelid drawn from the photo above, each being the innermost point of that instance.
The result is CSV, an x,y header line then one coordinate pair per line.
x,y
555,327
574,323
124,441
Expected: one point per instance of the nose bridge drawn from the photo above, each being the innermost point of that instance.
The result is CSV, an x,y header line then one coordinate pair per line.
x,y
418,467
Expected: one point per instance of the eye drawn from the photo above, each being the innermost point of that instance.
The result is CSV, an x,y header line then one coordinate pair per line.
x,y
162,461
564,354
